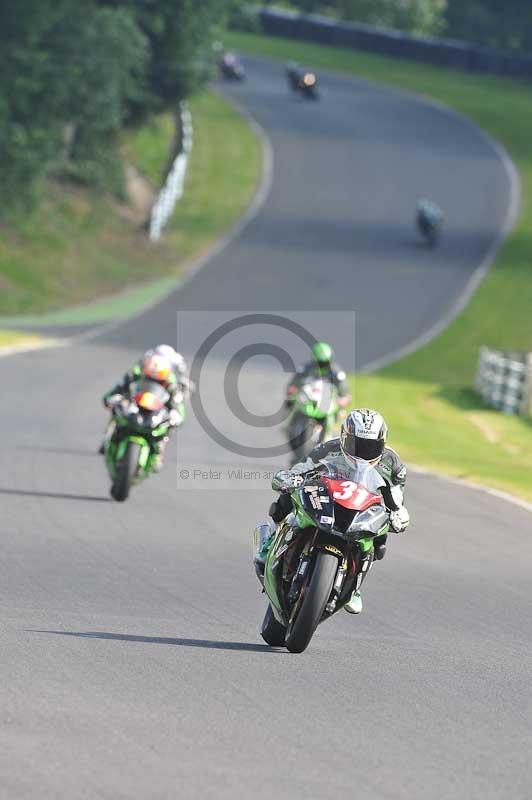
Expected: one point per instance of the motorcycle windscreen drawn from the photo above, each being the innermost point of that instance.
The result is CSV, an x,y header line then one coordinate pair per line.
x,y
150,395
320,393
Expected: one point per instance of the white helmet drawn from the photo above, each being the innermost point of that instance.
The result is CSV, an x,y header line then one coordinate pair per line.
x,y
363,436
176,359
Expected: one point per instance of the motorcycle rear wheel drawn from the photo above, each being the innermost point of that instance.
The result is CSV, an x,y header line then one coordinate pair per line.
x,y
272,631
317,592
126,472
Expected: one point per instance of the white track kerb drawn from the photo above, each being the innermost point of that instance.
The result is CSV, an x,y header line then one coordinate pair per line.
x,y
174,186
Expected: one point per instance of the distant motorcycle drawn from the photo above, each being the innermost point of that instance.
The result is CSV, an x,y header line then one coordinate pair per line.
x,y
314,412
320,553
231,68
140,421
301,81
308,86
429,221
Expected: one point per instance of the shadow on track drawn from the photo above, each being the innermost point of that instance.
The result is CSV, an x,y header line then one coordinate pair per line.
x,y
205,643
56,495
61,451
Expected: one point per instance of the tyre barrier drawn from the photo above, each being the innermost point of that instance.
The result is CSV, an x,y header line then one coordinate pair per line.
x,y
504,380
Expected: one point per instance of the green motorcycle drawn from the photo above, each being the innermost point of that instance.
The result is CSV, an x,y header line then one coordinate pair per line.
x,y
141,422
314,414
320,553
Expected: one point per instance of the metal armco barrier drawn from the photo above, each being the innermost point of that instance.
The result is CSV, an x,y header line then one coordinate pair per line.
x,y
504,380
174,186
443,52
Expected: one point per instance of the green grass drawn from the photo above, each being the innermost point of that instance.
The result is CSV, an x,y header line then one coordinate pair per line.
x,y
435,418
148,147
225,168
449,430
79,247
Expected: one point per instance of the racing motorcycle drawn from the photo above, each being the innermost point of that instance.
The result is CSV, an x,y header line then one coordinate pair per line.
x,y
139,423
300,81
314,413
231,68
429,220
320,553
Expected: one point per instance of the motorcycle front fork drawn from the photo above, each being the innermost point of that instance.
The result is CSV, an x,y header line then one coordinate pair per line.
x,y
365,561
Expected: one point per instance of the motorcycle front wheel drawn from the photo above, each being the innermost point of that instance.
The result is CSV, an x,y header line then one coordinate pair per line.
x,y
125,473
272,631
310,610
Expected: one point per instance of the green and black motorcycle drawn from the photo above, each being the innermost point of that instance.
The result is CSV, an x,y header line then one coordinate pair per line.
x,y
320,553
313,417
140,422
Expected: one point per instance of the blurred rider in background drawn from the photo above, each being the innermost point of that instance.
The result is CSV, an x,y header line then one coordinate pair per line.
x,y
167,367
323,366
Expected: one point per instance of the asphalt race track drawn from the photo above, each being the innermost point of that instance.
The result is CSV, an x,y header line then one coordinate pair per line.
x,y
130,659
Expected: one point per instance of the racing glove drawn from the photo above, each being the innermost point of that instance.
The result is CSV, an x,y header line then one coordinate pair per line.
x,y
399,520
111,401
285,480
174,418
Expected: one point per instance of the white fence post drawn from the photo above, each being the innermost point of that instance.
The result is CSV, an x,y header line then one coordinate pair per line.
x,y
174,186
526,403
504,380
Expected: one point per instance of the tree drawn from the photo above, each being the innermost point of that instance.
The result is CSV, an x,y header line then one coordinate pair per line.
x,y
491,23
102,54
30,97
179,34
73,71
59,69
414,16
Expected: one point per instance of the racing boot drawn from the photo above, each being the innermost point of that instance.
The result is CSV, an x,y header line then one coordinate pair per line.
x,y
157,458
354,604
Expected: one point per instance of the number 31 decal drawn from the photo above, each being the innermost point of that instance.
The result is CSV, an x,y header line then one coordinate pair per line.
x,y
353,491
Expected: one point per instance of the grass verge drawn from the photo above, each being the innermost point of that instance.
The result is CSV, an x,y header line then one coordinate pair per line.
x,y
148,147
435,418
78,246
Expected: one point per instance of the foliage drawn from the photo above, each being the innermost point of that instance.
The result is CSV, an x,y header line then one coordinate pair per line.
x,y
414,16
106,54
492,23
179,35
72,72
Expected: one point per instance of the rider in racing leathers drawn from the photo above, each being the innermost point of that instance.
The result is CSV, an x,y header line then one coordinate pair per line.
x,y
321,366
165,366
362,442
